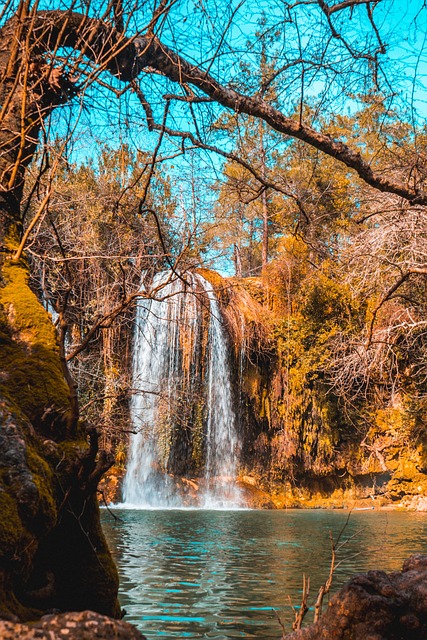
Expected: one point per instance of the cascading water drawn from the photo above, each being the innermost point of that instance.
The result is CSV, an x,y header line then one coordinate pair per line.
x,y
221,440
182,406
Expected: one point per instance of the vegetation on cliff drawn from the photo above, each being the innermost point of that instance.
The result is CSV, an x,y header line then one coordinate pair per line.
x,y
331,337
335,402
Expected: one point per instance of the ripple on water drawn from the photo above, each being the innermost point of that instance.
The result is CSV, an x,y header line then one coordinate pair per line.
x,y
220,575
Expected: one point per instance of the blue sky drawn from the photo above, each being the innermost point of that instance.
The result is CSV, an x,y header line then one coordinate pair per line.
x,y
220,37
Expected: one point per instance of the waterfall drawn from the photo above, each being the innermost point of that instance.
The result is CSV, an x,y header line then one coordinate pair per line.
x,y
221,440
182,414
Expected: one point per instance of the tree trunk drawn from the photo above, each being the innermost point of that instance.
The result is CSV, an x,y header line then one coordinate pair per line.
x,y
264,229
237,260
264,202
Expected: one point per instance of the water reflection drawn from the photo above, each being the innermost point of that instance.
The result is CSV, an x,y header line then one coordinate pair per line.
x,y
220,574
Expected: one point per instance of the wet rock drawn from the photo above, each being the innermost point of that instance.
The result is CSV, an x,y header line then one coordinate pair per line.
x,y
50,558
376,606
14,630
415,503
83,625
254,497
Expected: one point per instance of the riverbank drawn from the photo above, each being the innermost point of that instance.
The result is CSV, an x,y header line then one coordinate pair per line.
x,y
281,496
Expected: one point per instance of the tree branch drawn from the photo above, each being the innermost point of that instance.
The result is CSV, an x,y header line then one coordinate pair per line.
x,y
160,57
339,6
126,57
387,296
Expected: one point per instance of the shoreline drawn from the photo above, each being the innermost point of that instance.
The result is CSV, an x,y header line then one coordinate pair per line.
x,y
281,497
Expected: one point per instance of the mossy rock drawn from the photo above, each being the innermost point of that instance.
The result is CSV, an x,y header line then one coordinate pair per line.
x,y
407,481
12,530
52,550
76,555
49,530
30,369
27,506
43,477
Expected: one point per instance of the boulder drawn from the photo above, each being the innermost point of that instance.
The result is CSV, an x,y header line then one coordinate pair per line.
x,y
84,625
376,606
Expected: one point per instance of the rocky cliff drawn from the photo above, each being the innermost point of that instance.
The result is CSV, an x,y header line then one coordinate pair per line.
x,y
304,439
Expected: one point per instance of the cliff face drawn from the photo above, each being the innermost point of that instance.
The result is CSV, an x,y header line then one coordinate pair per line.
x,y
53,552
304,440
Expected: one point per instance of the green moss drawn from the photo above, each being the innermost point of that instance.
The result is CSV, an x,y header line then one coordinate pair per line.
x,y
29,359
100,578
77,553
265,411
11,528
43,479
197,436
73,449
23,308
214,278
407,481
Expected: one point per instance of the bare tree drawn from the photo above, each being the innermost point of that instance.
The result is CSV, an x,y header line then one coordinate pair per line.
x,y
48,57
386,264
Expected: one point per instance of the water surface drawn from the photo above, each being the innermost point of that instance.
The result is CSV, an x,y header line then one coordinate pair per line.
x,y
228,574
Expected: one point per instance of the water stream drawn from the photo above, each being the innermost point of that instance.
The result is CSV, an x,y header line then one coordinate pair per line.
x,y
182,406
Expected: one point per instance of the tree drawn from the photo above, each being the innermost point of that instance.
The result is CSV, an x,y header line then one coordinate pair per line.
x,y
254,144
38,86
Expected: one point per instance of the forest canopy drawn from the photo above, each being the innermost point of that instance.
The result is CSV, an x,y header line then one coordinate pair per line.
x,y
283,138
